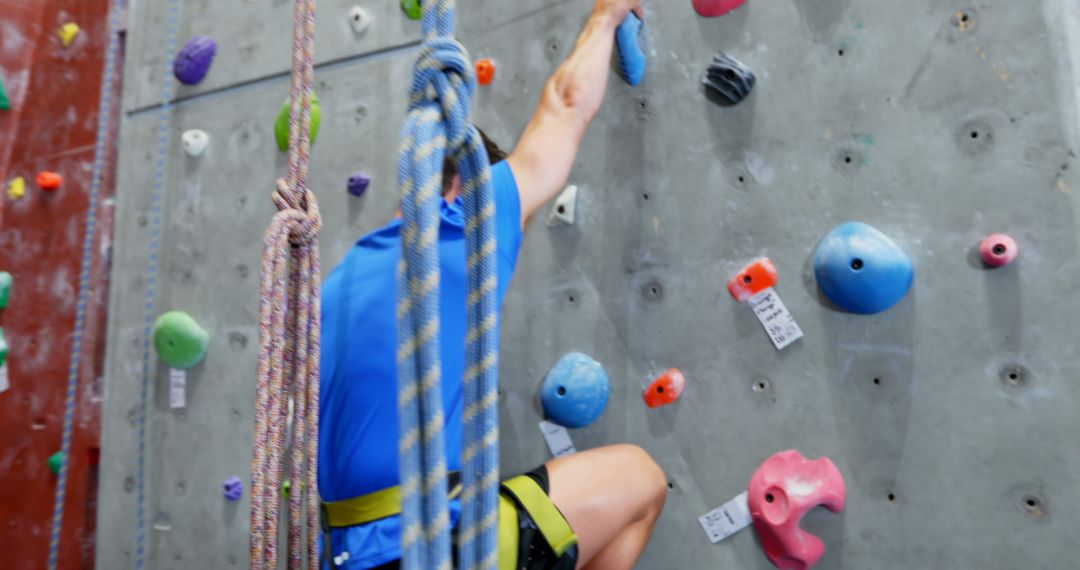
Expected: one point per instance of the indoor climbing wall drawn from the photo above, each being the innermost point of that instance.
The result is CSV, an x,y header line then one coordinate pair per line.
x,y
951,415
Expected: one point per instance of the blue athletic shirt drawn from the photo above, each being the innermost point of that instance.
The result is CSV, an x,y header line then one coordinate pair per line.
x,y
358,417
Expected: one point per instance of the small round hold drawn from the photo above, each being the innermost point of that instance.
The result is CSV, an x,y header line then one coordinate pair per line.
x,y
193,62
16,188
281,125
49,180
485,71
998,250
359,19
358,184
68,32
56,461
195,142
179,340
576,391
233,488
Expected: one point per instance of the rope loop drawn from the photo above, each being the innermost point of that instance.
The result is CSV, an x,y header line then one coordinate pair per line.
x,y
444,76
305,220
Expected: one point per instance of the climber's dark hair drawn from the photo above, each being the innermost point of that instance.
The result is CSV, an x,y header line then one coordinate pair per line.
x,y
495,154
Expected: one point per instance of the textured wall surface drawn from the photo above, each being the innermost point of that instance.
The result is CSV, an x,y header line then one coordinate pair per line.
x,y
862,111
52,125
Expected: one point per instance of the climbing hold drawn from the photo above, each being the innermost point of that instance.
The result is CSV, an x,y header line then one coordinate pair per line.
x,y
179,340
193,62
358,183
485,71
5,101
412,9
562,211
575,391
281,125
753,279
16,188
730,79
68,32
195,142
49,180
359,19
861,269
7,282
233,488
713,8
998,250
4,348
782,490
631,57
56,460
665,389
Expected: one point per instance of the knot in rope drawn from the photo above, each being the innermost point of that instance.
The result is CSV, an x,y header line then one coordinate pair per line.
x,y
301,210
444,76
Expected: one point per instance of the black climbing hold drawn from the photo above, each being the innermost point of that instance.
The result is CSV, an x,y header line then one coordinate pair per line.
x,y
729,79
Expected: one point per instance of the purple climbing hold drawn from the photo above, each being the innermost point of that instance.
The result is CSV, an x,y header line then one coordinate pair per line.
x,y
193,62
234,488
358,183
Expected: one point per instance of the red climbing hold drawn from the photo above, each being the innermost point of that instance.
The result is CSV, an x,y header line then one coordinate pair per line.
x,y
665,389
49,180
485,71
753,279
998,250
782,490
713,8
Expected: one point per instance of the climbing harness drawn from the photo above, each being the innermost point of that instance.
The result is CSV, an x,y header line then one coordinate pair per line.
x,y
289,327
437,123
100,151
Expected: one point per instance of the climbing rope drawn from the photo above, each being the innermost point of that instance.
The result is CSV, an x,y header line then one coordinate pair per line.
x,y
108,79
289,327
437,123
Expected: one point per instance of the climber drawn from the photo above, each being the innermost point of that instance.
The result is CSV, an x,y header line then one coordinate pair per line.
x,y
609,497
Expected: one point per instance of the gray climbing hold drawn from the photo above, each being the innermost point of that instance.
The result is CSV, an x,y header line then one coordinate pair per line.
x,y
729,79
562,211
195,142
359,19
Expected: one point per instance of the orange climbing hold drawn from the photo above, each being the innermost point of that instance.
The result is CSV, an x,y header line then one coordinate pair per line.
x,y
49,180
753,279
666,389
485,71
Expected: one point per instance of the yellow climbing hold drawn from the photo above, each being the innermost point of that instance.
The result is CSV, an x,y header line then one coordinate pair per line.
x,y
16,188
68,32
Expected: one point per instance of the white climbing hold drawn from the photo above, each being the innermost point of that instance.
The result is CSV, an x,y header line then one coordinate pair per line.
x,y
359,19
562,211
195,142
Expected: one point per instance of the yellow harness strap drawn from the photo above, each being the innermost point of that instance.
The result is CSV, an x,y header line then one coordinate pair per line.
x,y
552,524
370,507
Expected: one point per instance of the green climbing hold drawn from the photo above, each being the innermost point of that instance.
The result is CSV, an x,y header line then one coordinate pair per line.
x,y
55,461
3,349
6,282
412,9
179,340
5,102
281,125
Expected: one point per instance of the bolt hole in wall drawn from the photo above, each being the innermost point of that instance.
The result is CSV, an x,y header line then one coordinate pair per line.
x,y
856,264
760,385
562,390
769,498
891,497
1033,506
1014,375
877,381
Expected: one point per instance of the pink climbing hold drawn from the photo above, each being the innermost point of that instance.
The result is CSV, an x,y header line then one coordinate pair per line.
x,y
713,8
782,491
998,250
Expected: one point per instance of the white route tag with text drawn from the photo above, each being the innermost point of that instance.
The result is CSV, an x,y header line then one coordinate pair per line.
x,y
727,519
558,439
177,388
774,316
5,382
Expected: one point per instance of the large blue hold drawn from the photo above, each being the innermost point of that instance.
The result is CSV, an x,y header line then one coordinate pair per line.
x,y
576,390
861,269
631,57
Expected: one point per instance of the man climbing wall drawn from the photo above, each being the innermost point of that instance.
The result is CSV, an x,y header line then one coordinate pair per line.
x,y
607,500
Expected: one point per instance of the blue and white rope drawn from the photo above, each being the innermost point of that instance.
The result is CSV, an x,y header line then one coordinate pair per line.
x,y
152,270
438,122
101,148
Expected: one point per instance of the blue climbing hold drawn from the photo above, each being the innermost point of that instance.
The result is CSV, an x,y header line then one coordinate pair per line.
x,y
631,57
576,390
861,269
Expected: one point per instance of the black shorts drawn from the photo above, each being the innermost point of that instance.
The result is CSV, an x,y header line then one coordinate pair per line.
x,y
535,554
